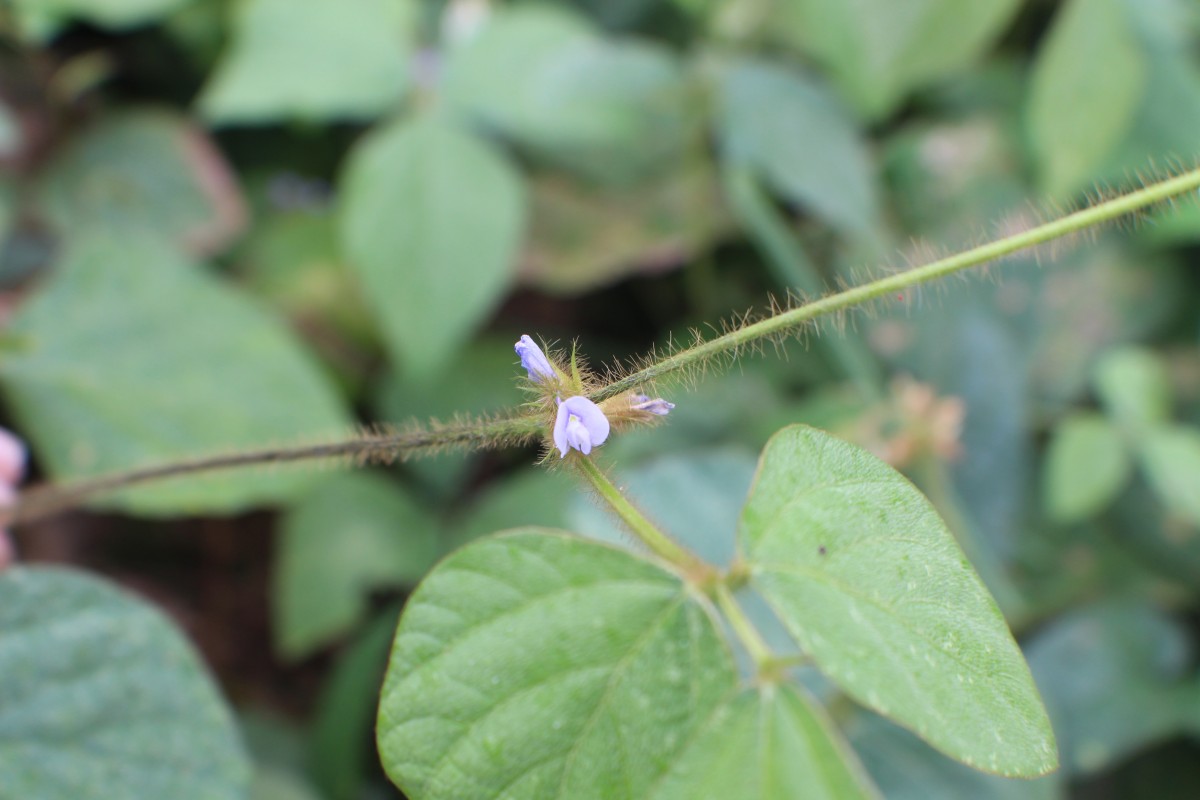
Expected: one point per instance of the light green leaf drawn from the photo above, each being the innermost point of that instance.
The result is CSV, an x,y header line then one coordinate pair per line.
x,y
325,59
794,133
131,356
1115,678
542,76
865,575
1086,467
103,698
432,218
878,51
1134,386
535,496
773,742
276,783
144,171
354,533
1171,457
540,665
1086,87
41,19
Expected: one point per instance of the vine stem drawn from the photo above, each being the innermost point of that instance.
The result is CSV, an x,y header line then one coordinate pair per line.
x,y
646,531
42,501
1098,214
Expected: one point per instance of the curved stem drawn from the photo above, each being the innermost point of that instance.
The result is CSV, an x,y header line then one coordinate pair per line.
x,y
759,651
658,542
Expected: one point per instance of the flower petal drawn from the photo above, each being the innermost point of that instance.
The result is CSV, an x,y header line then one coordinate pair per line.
x,y
534,360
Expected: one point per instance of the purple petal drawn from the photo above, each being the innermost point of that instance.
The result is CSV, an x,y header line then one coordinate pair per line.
x,y
579,424
641,402
534,360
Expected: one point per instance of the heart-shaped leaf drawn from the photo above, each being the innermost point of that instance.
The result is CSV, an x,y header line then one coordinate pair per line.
x,y
865,575
540,665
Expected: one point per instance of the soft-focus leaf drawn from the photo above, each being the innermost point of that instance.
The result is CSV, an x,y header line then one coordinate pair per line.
x,y
325,59
1086,466
793,132
103,698
609,110
866,576
345,711
41,19
905,768
585,237
1085,90
276,783
695,496
352,534
540,665
159,362
145,171
767,743
1114,679
1171,457
432,218
1134,386
537,497
878,51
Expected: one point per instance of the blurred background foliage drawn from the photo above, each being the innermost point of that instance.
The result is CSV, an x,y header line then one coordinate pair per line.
x,y
229,224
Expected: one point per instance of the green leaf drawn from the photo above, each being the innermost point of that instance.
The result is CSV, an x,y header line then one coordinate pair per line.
x,y
276,783
143,171
771,742
326,59
1086,86
795,134
345,711
878,51
103,698
1115,678
131,356
412,191
353,534
865,575
1171,457
1087,465
535,496
41,19
1134,386
542,76
541,665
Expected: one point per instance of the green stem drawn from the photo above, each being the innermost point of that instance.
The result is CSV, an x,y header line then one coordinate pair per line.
x,y
760,653
382,448
794,269
645,530
788,321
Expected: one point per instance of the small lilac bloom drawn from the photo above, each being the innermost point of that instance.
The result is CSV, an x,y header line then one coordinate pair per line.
x,y
534,360
580,424
641,402
12,458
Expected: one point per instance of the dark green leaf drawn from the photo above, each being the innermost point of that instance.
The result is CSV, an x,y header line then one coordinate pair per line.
x,y
540,665
353,534
432,218
866,576
145,171
102,698
160,362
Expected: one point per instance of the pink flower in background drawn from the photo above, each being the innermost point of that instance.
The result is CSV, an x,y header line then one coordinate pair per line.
x,y
13,457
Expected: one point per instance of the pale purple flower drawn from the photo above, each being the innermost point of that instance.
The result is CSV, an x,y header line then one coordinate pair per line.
x,y
580,424
534,360
657,405
12,458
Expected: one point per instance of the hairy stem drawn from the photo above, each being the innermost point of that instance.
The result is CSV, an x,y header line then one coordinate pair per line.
x,y
383,448
791,320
